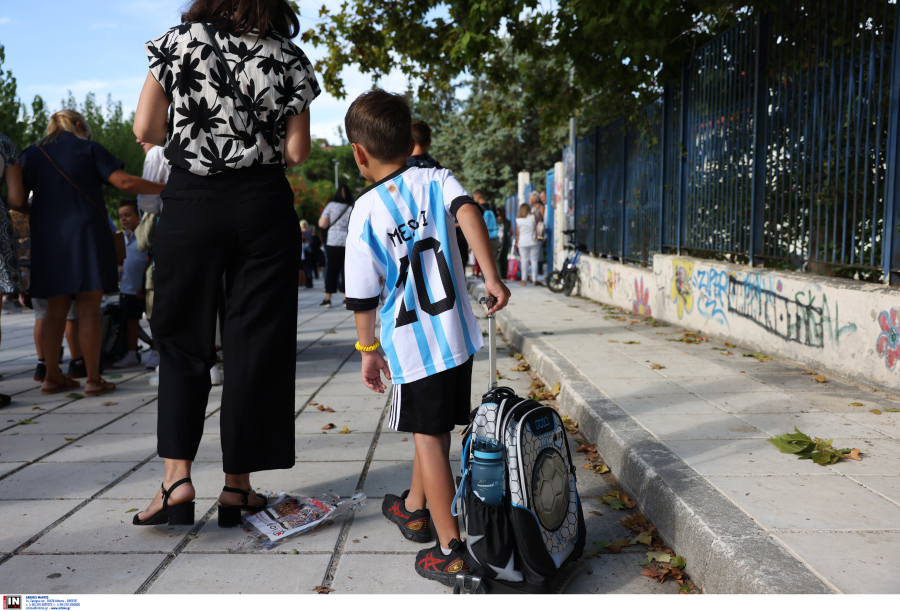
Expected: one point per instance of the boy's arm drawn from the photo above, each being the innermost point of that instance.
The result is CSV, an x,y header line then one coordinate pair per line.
x,y
372,362
473,227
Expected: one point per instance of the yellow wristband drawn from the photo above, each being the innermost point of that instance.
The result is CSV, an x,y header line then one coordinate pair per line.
x,y
368,348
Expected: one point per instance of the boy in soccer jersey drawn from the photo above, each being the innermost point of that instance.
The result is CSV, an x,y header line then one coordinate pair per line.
x,y
402,254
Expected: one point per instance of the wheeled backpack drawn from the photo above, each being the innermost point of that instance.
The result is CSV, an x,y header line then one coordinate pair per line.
x,y
532,540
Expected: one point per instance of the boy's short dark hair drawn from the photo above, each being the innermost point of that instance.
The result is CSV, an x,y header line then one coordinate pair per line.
x,y
130,202
381,122
421,133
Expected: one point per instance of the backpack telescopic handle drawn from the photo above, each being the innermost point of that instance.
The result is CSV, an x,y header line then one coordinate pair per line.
x,y
489,301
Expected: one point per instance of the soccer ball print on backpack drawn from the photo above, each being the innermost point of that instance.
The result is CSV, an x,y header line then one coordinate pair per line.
x,y
532,541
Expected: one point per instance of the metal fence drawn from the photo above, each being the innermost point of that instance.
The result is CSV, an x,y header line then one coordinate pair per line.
x,y
778,146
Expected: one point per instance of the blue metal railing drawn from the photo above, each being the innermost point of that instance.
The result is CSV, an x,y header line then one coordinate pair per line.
x,y
781,143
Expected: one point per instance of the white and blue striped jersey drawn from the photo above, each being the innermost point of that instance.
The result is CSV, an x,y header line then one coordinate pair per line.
x,y
402,253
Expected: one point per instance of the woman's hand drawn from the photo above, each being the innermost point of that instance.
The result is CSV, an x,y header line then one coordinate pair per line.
x,y
120,179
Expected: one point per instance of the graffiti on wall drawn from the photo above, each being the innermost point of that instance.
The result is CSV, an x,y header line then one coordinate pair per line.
x,y
886,344
612,279
806,318
711,288
641,304
682,295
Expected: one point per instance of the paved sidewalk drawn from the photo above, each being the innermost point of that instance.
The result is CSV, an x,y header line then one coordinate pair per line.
x,y
68,481
689,440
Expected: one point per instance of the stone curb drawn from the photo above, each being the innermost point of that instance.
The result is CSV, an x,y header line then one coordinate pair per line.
x,y
726,551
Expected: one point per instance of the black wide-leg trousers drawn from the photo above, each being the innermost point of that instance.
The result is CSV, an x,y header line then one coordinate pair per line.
x,y
240,223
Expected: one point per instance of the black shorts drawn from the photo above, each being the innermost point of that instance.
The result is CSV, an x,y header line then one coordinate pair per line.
x,y
132,307
435,404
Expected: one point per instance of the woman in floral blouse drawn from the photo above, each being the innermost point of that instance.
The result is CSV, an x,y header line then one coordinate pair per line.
x,y
228,97
11,174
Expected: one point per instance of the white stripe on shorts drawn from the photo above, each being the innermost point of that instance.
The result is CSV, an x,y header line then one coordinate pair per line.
x,y
395,408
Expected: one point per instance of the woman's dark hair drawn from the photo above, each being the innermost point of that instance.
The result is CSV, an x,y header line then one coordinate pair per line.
x,y
246,16
343,195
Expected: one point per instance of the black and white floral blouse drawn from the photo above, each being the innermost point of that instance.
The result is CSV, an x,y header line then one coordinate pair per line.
x,y
209,129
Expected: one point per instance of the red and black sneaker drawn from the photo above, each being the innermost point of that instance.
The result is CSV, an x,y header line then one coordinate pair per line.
x,y
415,525
431,563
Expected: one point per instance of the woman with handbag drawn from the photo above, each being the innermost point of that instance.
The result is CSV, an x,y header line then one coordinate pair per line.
x,y
334,220
72,248
239,91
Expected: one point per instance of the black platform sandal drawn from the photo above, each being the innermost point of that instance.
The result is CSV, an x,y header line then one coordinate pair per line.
x,y
230,515
180,514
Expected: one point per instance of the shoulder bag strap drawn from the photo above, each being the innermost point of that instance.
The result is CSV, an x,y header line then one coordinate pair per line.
x,y
63,174
234,85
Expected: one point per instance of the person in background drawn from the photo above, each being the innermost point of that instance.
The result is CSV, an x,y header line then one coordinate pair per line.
x,y
77,368
537,209
336,218
131,289
11,174
527,244
543,200
504,234
301,282
312,245
72,251
490,219
420,158
156,169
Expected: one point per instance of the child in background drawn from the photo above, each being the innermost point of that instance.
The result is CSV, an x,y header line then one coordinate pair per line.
x,y
402,253
131,287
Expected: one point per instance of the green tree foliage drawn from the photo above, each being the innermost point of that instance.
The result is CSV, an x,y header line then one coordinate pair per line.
x,y
600,57
15,121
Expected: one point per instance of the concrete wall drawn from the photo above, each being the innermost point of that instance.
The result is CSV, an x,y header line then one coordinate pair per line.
x,y
850,328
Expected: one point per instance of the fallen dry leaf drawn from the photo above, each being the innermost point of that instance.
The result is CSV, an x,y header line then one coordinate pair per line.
x,y
322,408
322,590
855,404
891,409
655,366
36,407
853,454
591,553
877,412
730,345
586,449
328,427
68,438
820,379
654,575
404,439
596,513
109,403
555,389
344,430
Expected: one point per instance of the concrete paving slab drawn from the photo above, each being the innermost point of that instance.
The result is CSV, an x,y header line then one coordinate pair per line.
x,y
21,520
212,539
739,457
392,447
667,404
886,423
104,526
134,424
328,448
382,574
340,402
82,574
15,384
107,405
372,532
842,402
807,502
603,523
698,426
64,424
801,382
868,560
10,466
887,485
879,457
311,421
707,384
759,402
821,424
61,480
19,407
100,447
19,448
618,575
388,476
636,387
243,574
